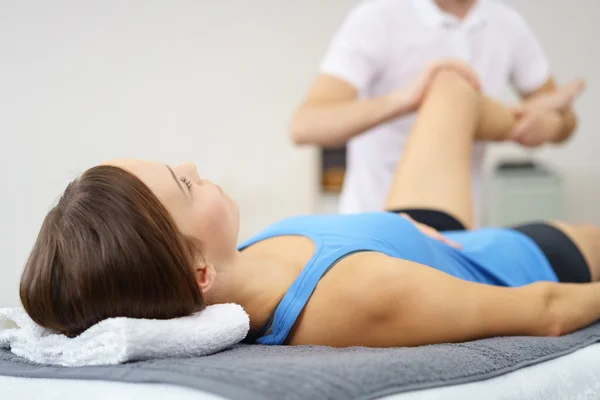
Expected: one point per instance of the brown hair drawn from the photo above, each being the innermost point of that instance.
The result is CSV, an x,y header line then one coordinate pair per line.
x,y
109,248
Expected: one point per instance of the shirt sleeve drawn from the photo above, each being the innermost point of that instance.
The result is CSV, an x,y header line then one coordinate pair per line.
x,y
530,67
357,49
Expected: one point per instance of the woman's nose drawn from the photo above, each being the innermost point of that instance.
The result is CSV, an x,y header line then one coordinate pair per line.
x,y
189,168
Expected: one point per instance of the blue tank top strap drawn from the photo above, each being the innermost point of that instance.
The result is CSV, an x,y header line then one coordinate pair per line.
x,y
302,288
297,295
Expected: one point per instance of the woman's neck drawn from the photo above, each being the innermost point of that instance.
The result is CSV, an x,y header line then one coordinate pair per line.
x,y
255,282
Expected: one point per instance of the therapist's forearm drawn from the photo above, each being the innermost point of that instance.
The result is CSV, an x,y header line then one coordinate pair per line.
x,y
332,124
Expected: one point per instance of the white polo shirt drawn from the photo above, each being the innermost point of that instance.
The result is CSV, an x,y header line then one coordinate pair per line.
x,y
383,44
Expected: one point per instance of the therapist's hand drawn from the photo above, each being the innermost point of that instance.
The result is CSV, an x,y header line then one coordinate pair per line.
x,y
536,126
409,99
431,232
540,119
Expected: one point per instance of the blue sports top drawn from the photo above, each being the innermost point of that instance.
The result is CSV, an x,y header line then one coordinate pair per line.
x,y
496,256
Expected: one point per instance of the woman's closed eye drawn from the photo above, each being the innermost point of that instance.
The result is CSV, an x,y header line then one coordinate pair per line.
x,y
187,182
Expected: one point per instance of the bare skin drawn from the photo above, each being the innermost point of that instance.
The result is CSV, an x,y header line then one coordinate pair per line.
x,y
458,8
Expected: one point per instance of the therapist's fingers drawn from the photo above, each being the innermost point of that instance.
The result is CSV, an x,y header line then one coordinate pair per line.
x,y
518,131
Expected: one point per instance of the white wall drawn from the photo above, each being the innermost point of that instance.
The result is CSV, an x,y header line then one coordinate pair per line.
x,y
213,82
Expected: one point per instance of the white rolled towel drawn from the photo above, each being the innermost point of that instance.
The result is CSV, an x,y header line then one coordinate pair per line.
x,y
119,340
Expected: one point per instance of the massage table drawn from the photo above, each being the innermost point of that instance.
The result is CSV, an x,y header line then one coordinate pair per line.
x,y
508,368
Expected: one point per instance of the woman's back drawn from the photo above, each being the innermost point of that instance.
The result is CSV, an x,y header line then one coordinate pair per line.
x,y
494,256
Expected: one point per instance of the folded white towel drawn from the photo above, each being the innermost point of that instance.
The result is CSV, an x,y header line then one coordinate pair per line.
x,y
118,340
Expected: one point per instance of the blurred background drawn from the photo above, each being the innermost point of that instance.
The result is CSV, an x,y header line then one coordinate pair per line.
x,y
215,82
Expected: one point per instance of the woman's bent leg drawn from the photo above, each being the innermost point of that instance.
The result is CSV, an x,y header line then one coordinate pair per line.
x,y
434,169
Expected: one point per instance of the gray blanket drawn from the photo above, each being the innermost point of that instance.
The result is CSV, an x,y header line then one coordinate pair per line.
x,y
247,372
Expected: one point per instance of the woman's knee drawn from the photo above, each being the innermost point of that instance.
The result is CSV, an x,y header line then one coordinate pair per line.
x,y
451,79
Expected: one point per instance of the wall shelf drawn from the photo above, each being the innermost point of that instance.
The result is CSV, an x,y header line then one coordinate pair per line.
x,y
333,169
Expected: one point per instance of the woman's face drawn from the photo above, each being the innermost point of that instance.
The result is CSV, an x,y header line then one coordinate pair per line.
x,y
199,207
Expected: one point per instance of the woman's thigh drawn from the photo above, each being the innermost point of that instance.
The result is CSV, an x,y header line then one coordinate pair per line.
x,y
434,171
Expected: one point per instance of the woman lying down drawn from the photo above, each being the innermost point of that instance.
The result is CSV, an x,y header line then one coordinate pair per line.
x,y
144,240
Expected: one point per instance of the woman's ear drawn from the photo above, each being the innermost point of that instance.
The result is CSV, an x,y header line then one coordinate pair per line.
x,y
205,277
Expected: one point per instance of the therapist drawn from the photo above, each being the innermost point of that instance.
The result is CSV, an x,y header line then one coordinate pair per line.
x,y
379,50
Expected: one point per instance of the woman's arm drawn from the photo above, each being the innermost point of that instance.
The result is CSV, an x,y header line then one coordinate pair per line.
x,y
400,303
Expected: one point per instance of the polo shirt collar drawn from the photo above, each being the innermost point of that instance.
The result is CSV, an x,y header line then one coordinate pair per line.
x,y
432,15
